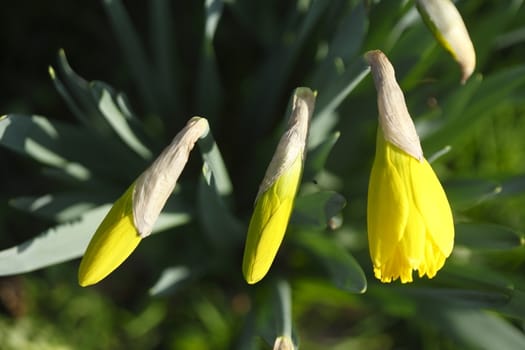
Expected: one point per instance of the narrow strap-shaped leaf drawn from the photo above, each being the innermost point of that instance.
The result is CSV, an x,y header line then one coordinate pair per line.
x,y
165,54
329,100
213,159
274,73
318,210
67,147
70,101
62,207
486,237
214,196
316,160
491,91
67,241
464,194
118,121
344,270
77,94
209,89
341,50
62,243
285,308
476,329
133,51
171,280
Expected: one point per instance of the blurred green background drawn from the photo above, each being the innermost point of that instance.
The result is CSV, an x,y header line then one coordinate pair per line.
x,y
237,63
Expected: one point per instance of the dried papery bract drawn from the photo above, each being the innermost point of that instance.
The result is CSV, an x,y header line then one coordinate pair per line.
x,y
133,215
446,24
410,225
155,185
274,202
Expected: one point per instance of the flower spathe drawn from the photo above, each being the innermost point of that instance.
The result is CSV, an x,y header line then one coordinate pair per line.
x,y
410,224
446,24
275,199
133,215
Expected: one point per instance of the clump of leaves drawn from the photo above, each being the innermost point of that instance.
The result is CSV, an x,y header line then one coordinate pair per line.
x,y
238,70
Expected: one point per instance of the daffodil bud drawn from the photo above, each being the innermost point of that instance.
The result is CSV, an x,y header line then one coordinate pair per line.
x,y
447,26
410,224
274,201
283,343
133,215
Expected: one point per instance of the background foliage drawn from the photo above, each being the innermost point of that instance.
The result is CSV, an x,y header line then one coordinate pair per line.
x,y
236,63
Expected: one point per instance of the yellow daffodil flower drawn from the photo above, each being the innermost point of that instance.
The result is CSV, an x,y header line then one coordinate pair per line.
x,y
133,216
274,201
410,225
445,22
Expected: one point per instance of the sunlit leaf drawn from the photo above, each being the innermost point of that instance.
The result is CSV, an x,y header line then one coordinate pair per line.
x,y
318,210
486,236
345,272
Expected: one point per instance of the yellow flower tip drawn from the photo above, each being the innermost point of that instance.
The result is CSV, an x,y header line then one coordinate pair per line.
x,y
274,202
269,222
51,72
446,24
115,239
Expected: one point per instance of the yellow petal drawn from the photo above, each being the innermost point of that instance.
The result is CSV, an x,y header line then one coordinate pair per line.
x,y
427,237
269,222
115,239
388,206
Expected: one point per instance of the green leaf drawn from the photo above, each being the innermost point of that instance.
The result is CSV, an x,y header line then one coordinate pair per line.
x,y
456,104
476,328
275,71
274,314
464,194
515,307
77,94
486,236
218,222
341,51
488,96
165,54
170,281
212,157
284,315
214,196
325,117
133,52
344,270
79,152
317,156
479,299
67,241
120,121
64,242
318,210
209,94
62,207
513,186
